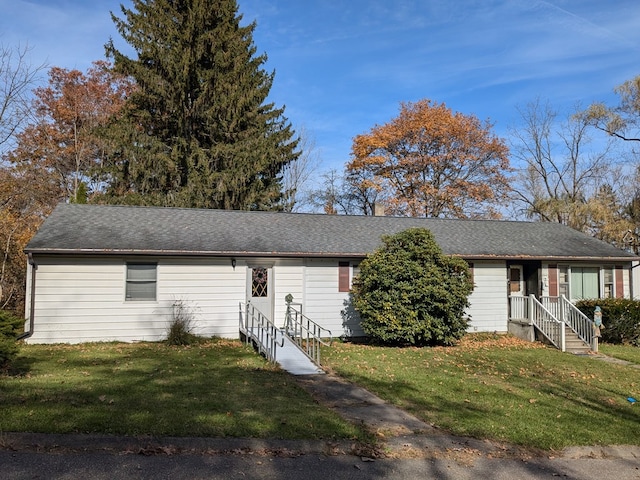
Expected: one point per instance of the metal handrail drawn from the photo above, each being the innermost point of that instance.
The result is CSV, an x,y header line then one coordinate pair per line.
x,y
257,327
305,333
566,311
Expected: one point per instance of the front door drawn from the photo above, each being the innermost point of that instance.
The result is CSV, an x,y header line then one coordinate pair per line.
x,y
260,289
516,281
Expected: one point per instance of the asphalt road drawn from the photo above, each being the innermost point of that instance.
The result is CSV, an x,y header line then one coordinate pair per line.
x,y
109,466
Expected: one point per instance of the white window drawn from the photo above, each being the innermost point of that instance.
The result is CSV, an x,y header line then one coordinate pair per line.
x,y
609,282
577,283
563,280
141,281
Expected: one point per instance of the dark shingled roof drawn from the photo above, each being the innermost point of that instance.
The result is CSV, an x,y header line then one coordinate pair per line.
x,y
178,231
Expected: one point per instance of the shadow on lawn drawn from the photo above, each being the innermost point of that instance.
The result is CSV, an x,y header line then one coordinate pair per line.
x,y
160,390
19,367
547,412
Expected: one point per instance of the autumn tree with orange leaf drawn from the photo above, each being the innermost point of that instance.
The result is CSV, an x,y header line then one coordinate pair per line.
x,y
64,140
56,157
432,162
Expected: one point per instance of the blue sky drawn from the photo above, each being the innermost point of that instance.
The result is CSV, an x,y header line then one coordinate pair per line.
x,y
343,66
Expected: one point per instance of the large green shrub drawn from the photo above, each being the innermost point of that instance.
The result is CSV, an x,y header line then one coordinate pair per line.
x,y
10,327
409,293
620,317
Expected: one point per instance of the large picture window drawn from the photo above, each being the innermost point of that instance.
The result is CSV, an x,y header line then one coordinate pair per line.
x,y
579,283
141,281
584,283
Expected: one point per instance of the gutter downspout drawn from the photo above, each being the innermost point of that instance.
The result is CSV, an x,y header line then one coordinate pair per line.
x,y
32,299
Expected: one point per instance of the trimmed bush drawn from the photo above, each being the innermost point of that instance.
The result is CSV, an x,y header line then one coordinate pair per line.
x,y
10,327
620,317
409,293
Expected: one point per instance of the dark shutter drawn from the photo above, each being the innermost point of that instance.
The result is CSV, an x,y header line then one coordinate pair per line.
x,y
619,282
553,280
343,276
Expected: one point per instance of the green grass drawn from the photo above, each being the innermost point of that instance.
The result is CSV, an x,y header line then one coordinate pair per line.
x,y
491,387
216,388
623,352
499,388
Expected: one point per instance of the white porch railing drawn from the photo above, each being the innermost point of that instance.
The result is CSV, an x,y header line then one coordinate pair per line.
x,y
529,308
550,315
563,309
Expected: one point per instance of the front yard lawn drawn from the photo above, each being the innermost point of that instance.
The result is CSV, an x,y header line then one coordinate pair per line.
x,y
489,386
217,388
501,388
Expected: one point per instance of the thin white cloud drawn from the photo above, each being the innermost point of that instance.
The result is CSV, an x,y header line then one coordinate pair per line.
x,y
69,34
343,66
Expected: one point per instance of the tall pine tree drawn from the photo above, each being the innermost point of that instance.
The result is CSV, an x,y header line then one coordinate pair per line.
x,y
197,132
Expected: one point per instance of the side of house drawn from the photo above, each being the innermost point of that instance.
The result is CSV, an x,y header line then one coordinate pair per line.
x,y
108,298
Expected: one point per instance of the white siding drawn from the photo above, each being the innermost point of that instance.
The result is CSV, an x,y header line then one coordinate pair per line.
x,y
211,287
489,307
83,300
289,279
323,303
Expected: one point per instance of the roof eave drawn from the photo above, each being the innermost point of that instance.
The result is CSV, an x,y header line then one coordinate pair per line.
x,y
208,253
553,258
183,253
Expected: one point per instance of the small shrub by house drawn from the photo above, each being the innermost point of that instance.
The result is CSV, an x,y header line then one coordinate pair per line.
x,y
620,317
10,326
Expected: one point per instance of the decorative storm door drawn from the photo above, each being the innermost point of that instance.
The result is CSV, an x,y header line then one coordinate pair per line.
x,y
260,289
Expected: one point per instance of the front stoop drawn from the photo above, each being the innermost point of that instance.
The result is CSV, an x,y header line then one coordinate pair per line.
x,y
573,343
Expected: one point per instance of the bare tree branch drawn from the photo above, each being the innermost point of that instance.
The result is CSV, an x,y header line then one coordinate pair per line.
x,y
17,78
562,178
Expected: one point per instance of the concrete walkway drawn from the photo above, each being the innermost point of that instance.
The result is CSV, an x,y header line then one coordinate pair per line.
x,y
616,361
402,435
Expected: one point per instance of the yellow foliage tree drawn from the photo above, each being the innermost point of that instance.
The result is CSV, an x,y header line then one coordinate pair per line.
x,y
24,203
623,120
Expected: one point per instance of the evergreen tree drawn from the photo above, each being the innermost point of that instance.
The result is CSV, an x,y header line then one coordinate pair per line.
x,y
197,132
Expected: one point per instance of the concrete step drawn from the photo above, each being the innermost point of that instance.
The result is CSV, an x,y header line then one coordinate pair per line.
x,y
574,344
